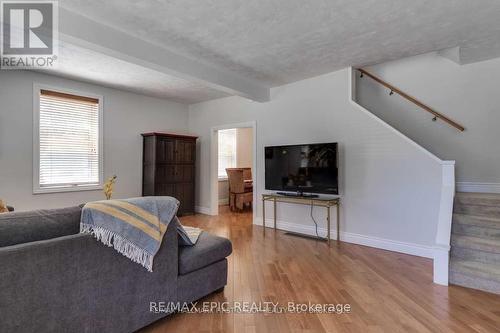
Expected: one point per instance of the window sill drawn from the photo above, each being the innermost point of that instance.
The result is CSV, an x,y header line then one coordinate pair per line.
x,y
67,189
223,179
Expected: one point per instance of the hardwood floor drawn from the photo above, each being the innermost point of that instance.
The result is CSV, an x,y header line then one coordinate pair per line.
x,y
387,291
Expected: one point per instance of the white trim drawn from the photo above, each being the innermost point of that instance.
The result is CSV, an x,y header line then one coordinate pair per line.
x,y
349,237
214,182
67,189
441,264
443,230
203,210
478,187
36,141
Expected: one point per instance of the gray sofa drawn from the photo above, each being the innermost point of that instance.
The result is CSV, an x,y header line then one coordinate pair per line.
x,y
53,279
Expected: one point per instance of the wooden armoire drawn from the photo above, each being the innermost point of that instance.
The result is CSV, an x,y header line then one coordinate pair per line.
x,y
169,168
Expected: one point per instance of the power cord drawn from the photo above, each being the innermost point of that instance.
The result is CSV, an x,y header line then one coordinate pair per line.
x,y
315,223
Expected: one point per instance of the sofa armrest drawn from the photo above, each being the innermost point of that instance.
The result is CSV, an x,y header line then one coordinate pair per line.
x,y
77,284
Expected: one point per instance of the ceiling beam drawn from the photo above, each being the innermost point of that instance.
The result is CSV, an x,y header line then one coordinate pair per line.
x,y
84,32
452,54
473,51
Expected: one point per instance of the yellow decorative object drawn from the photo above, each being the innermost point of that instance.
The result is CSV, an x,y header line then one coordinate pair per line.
x,y
108,187
3,207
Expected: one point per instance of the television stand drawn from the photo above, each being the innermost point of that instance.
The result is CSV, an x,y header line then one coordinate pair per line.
x,y
298,195
315,201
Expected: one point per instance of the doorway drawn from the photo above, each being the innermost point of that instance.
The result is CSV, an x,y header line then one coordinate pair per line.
x,y
233,151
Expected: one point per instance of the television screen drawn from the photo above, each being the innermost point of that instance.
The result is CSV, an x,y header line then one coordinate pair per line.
x,y
311,168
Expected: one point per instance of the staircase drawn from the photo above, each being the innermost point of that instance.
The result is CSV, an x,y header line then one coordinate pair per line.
x,y
474,260
475,242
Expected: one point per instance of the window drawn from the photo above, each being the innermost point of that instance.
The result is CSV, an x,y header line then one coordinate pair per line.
x,y
67,141
227,151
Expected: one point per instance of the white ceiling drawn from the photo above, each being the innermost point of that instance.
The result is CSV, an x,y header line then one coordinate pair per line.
x,y
281,41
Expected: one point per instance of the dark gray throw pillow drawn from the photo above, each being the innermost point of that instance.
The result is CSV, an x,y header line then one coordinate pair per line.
x,y
36,225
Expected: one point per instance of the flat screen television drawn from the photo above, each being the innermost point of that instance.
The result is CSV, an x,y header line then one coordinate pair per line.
x,y
308,168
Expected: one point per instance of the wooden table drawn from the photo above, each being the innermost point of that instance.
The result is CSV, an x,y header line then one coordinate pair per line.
x,y
320,202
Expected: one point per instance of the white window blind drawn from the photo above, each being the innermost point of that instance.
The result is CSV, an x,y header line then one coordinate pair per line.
x,y
227,151
68,141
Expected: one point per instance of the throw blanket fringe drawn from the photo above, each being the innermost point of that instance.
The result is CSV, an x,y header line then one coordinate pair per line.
x,y
120,244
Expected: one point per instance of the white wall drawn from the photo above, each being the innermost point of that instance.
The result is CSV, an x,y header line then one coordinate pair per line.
x,y
126,116
223,192
468,94
244,146
390,187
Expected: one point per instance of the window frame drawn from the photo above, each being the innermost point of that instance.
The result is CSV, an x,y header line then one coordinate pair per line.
x,y
37,189
225,178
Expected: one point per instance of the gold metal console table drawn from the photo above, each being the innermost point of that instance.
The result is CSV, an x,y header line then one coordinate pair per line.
x,y
320,202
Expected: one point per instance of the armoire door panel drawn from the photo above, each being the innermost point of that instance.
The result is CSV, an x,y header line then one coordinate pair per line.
x,y
166,173
165,150
185,151
184,173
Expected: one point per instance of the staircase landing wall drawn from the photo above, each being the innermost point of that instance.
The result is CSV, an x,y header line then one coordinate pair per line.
x,y
446,188
467,94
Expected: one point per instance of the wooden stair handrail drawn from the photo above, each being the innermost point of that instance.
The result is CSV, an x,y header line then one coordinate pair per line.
x,y
413,100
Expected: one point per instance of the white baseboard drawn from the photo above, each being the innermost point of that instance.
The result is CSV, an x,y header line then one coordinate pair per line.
x,y
478,187
202,210
371,241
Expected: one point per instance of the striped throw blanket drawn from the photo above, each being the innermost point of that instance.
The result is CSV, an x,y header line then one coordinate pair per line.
x,y
133,227
188,235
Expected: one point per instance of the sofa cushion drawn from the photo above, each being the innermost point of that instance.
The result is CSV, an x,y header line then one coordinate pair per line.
x,y
207,250
36,225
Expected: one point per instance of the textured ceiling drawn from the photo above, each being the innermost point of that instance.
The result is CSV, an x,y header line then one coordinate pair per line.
x,y
82,64
281,41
